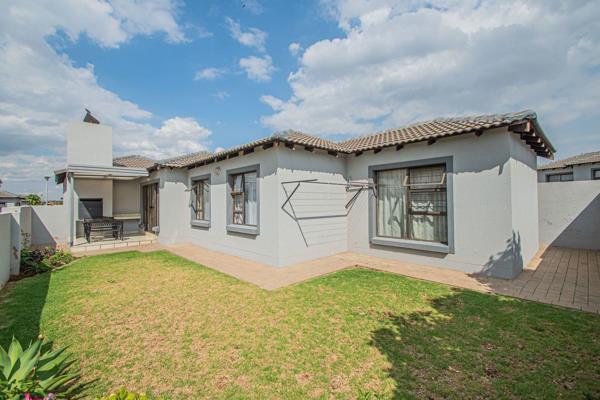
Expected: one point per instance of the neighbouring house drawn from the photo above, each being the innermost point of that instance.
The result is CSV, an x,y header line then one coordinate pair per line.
x,y
458,193
8,199
582,167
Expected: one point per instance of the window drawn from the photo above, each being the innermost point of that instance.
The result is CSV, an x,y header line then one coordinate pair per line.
x,y
200,199
596,173
564,177
244,210
412,204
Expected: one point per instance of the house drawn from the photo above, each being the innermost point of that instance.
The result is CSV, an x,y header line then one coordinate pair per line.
x,y
582,167
8,199
457,193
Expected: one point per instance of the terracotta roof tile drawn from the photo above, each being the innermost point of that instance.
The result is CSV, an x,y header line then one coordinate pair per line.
x,y
133,161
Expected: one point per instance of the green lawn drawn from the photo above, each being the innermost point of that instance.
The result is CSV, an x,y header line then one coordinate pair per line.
x,y
155,322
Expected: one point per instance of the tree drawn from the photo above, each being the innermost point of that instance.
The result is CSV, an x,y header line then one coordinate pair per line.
x,y
33,199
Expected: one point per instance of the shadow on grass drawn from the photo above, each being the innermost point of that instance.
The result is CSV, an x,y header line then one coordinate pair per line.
x,y
472,345
21,306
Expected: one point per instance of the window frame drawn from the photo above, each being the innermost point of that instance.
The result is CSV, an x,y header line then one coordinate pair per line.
x,y
232,227
423,245
594,170
560,174
201,223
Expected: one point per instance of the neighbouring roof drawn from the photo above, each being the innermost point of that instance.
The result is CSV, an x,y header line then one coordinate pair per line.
x,y
133,161
523,123
9,195
90,118
585,158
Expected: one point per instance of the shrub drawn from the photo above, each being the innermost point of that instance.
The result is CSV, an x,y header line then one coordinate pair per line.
x,y
124,394
58,259
33,372
38,261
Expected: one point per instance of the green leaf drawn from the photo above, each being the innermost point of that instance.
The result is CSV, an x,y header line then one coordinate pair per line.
x,y
15,350
56,382
5,363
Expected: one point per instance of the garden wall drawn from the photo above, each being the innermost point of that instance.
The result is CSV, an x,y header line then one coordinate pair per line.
x,y
569,214
5,253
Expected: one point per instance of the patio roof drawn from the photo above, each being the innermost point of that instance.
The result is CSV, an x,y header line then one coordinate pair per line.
x,y
99,172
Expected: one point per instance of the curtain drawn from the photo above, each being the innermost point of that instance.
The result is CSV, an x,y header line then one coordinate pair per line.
x,y
206,199
238,199
250,206
391,203
427,199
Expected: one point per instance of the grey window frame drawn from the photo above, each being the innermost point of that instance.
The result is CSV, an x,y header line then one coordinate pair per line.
x,y
560,174
252,230
409,243
594,170
201,223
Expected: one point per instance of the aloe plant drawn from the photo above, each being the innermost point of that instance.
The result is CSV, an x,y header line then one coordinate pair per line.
x,y
33,371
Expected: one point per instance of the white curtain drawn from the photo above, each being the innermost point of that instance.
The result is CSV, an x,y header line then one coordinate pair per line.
x,y
206,200
250,206
238,204
428,227
391,203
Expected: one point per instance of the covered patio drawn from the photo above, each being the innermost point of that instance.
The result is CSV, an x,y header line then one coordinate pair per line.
x,y
109,206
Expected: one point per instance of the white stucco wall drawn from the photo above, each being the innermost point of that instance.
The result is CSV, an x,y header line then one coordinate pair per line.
x,y
581,172
126,196
89,144
524,202
48,225
569,214
5,248
94,189
175,214
314,222
482,202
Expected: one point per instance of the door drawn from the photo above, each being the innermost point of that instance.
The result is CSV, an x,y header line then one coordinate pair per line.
x,y
150,206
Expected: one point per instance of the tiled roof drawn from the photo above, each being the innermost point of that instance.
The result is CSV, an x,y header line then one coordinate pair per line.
x,y
133,161
586,158
438,128
185,160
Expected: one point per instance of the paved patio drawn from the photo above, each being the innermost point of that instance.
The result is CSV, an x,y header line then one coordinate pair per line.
x,y
560,276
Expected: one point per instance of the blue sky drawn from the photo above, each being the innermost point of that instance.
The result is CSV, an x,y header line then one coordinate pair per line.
x,y
173,77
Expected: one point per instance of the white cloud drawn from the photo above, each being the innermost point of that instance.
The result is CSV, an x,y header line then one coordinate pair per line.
x,y
253,37
273,102
258,68
41,90
221,95
209,74
473,57
294,48
219,149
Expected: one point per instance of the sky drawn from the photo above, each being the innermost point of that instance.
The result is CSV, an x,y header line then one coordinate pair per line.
x,y
174,77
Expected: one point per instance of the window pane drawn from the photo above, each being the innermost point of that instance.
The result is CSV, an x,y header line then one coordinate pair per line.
x,y
391,203
597,174
199,202
429,227
420,177
566,177
206,200
552,178
251,206
237,183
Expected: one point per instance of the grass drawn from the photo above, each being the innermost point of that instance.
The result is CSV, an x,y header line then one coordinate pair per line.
x,y
157,323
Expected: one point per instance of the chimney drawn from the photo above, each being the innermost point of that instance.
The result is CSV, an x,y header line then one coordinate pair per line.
x,y
89,143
